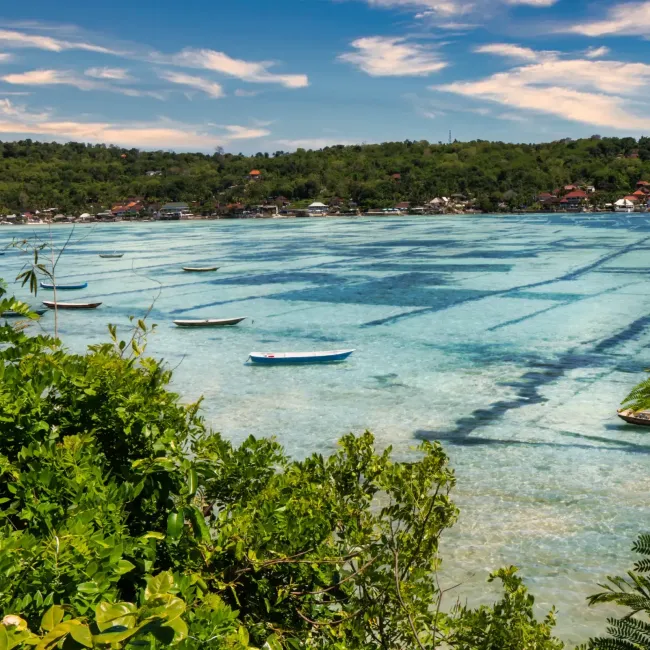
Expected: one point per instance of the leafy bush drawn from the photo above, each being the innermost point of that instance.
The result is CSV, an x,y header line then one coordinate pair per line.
x,y
106,481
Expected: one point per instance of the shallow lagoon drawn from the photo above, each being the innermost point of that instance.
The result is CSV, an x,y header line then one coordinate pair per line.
x,y
511,339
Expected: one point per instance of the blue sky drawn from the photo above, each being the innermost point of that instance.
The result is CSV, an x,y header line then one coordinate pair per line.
x,y
267,76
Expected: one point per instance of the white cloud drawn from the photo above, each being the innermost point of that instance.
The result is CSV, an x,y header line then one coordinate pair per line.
x,y
630,19
596,52
314,143
240,92
511,51
581,90
69,78
114,74
383,56
452,8
5,57
12,38
159,134
532,3
251,71
206,86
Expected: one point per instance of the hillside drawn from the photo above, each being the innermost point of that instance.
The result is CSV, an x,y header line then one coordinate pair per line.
x,y
75,176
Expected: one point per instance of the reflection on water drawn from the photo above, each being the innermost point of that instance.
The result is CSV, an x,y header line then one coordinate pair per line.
x,y
512,340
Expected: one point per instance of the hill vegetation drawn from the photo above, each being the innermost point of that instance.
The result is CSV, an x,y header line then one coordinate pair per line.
x,y
79,177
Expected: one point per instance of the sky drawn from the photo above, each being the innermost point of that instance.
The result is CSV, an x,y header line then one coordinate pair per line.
x,y
278,75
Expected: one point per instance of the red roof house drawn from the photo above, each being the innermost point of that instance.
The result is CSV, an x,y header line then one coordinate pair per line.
x,y
255,174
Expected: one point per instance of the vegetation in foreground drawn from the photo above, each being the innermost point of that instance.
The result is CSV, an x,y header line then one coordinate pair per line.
x,y
125,523
77,177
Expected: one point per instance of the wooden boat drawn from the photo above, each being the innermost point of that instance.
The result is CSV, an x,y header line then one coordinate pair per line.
x,y
64,287
279,358
200,269
111,256
10,313
71,305
641,418
209,322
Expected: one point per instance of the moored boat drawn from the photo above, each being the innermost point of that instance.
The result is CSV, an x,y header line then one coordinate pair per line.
x,y
209,322
200,269
64,287
71,305
641,418
10,313
279,358
111,256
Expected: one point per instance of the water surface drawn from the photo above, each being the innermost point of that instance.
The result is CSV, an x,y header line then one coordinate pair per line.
x,y
510,339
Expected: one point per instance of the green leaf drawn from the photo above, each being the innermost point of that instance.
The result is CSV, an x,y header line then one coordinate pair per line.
x,y
108,615
160,584
4,638
124,566
153,535
52,618
201,530
88,588
272,643
175,525
180,629
81,634
116,634
192,482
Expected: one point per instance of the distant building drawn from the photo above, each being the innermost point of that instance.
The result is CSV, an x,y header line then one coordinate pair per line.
x,y
174,211
404,205
255,175
128,209
574,200
154,173
396,176
317,209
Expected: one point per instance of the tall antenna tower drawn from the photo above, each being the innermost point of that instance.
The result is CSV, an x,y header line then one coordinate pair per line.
x,y
450,136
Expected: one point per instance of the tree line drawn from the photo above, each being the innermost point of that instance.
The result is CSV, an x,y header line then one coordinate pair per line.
x,y
82,177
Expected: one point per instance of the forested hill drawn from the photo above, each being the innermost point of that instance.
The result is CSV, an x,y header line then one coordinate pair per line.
x,y
75,176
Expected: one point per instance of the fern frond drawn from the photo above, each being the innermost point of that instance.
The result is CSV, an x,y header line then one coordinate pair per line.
x,y
642,566
642,545
613,644
631,629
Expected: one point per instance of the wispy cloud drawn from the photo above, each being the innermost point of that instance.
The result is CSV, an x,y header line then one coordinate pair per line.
x,y
383,56
452,9
16,39
70,78
581,90
157,134
241,92
113,74
210,88
513,52
5,57
596,52
251,71
629,19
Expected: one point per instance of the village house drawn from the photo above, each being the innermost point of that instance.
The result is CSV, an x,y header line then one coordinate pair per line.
x,y
317,209
128,210
403,206
174,211
574,200
255,175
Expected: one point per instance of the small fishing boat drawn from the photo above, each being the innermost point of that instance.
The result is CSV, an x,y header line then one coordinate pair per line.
x,y
635,417
10,313
209,322
71,305
200,269
64,287
111,256
279,358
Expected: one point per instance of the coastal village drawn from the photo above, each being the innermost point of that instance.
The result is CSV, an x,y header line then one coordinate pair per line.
x,y
569,198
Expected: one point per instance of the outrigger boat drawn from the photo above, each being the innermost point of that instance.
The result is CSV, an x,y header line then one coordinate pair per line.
x,y
111,256
200,269
71,305
641,418
64,287
280,358
10,313
209,322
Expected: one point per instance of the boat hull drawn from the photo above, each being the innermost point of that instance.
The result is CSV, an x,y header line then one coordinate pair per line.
x,y
223,322
14,314
298,358
112,257
642,418
64,287
71,305
207,269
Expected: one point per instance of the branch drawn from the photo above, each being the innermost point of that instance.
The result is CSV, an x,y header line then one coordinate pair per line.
x,y
403,604
338,584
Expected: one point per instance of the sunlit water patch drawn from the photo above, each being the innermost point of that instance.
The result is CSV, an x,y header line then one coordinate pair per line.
x,y
512,340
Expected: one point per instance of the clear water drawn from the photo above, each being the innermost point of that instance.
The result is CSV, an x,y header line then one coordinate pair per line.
x,y
512,340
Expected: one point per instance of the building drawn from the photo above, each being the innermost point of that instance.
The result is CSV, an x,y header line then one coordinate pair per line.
x,y
623,205
127,210
317,209
255,175
174,212
574,200
154,173
404,206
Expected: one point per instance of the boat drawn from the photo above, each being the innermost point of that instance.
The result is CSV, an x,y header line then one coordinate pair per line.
x,y
200,269
278,358
71,305
111,256
10,313
635,417
209,322
64,287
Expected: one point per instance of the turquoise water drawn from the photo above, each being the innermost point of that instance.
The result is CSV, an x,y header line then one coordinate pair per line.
x,y
512,340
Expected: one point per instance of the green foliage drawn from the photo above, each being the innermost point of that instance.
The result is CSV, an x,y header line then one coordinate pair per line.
x,y
631,632
639,397
82,177
123,521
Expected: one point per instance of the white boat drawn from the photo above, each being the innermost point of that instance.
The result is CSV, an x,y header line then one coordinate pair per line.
x,y
209,322
279,358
